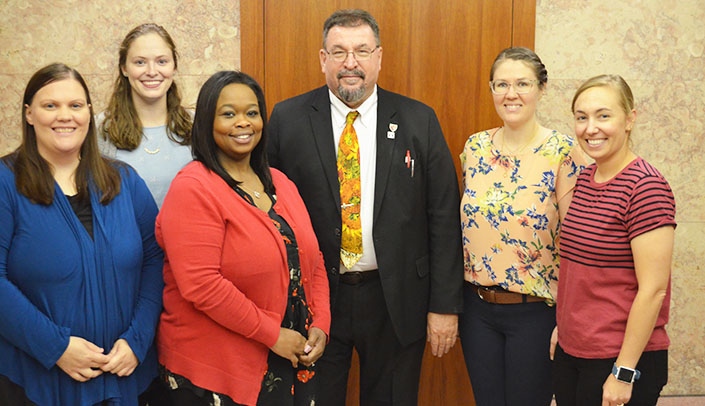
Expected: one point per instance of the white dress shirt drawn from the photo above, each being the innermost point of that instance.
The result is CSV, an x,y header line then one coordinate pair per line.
x,y
366,130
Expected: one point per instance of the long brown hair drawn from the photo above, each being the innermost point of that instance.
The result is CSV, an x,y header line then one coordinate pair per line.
x,y
122,125
33,174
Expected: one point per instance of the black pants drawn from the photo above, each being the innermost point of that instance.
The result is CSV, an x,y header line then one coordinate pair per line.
x,y
12,394
389,373
186,397
157,394
578,381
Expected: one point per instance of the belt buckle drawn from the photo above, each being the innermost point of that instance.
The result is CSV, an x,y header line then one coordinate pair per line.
x,y
489,295
352,278
357,277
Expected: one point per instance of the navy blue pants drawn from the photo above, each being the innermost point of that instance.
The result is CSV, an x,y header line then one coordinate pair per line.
x,y
506,349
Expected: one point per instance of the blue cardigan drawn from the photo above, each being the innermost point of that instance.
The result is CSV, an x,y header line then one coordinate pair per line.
x,y
57,282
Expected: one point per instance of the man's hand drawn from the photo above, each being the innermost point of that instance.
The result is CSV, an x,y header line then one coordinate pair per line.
x,y
441,332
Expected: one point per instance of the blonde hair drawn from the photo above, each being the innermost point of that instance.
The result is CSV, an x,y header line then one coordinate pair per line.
x,y
616,82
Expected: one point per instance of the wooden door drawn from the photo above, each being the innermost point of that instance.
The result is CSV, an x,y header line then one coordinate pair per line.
x,y
439,52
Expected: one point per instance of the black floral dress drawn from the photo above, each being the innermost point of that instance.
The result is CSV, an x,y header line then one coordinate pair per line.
x,y
282,385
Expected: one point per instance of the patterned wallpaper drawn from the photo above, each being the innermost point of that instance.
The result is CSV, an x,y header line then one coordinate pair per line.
x,y
658,46
87,34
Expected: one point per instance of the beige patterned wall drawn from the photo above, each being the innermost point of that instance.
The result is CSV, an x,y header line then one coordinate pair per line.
x,y
657,45
87,34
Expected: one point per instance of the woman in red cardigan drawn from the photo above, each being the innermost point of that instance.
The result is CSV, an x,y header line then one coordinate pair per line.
x,y
246,295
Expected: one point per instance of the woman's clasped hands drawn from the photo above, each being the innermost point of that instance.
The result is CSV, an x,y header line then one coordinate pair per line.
x,y
294,346
82,360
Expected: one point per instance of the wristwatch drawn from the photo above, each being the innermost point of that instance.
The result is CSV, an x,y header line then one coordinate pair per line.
x,y
624,374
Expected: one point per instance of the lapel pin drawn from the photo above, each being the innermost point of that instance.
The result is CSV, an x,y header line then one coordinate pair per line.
x,y
391,134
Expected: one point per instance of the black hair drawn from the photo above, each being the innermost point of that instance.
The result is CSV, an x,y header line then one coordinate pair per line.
x,y
203,144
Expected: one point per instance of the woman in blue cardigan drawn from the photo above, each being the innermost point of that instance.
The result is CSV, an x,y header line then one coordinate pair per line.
x,y
80,270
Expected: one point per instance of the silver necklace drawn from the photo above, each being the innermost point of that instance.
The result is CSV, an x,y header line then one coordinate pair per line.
x,y
254,192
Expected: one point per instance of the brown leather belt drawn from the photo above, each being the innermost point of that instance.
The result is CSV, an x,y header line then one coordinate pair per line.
x,y
498,295
356,278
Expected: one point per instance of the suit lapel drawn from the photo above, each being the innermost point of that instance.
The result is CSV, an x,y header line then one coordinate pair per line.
x,y
322,127
386,147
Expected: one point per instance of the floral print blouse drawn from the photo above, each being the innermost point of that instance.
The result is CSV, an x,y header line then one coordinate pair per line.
x,y
509,211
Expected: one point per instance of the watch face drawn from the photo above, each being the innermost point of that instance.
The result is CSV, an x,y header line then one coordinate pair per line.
x,y
625,375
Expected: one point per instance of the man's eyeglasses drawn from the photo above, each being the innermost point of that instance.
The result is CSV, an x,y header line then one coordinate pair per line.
x,y
362,54
520,87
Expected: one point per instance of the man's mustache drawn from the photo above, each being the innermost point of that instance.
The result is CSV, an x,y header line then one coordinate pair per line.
x,y
354,72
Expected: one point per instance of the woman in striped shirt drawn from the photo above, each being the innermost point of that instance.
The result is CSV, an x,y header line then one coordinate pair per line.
x,y
616,248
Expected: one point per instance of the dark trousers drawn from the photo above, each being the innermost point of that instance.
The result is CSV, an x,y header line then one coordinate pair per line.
x,y
12,394
157,394
187,397
389,373
578,381
506,349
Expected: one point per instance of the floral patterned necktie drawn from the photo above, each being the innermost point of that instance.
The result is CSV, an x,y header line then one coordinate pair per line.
x,y
350,193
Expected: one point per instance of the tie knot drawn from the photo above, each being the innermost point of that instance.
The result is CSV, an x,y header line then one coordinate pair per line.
x,y
351,117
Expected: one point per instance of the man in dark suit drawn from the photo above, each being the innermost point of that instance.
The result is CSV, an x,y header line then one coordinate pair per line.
x,y
407,285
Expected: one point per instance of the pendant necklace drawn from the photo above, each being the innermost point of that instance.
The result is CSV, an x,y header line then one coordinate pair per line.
x,y
254,192
509,159
151,151
518,150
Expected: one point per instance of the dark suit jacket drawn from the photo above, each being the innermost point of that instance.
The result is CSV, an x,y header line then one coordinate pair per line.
x,y
416,225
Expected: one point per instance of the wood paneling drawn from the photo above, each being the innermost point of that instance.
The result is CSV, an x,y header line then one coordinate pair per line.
x,y
439,52
252,39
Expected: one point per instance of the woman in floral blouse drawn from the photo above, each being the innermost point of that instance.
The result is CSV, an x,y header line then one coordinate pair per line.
x,y
518,182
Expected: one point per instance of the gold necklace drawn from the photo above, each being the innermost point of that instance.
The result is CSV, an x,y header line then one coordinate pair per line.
x,y
151,151
518,150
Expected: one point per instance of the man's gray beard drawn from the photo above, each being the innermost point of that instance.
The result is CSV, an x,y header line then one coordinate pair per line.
x,y
351,96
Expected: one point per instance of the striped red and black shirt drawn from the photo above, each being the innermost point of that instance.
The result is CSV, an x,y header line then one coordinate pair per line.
x,y
597,282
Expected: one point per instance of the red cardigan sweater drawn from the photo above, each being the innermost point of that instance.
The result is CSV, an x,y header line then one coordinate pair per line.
x,y
226,280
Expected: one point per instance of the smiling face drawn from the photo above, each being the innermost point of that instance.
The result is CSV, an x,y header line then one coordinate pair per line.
x,y
237,127
149,67
515,109
602,126
60,116
352,81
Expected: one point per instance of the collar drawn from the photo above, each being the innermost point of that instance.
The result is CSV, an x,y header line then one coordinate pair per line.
x,y
341,110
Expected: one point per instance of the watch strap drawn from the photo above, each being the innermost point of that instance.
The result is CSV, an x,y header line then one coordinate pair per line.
x,y
615,372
